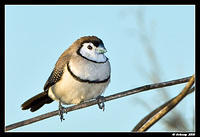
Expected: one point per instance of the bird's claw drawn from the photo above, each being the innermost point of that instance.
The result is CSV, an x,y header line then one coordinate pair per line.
x,y
101,100
61,111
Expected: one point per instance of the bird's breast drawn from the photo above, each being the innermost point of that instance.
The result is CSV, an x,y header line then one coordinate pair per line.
x,y
94,79
87,70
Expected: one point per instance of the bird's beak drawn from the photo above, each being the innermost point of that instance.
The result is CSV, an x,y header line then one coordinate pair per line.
x,y
101,50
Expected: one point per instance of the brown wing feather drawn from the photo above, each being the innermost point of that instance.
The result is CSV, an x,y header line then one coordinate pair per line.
x,y
39,100
58,71
53,78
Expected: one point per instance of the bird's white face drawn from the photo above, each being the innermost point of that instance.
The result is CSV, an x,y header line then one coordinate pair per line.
x,y
91,52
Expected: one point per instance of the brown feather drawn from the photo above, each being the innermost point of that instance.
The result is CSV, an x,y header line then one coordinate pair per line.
x,y
37,102
40,99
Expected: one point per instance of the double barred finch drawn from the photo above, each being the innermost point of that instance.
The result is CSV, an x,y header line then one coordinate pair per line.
x,y
81,73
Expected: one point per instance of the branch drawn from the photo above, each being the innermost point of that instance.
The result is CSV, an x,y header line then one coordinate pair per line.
x,y
93,102
158,113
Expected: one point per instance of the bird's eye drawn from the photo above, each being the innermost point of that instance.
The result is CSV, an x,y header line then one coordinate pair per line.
x,y
89,47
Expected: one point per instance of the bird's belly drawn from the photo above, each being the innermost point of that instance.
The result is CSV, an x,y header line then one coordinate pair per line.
x,y
72,91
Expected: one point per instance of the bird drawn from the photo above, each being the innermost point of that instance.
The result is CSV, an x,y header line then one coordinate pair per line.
x,y
81,73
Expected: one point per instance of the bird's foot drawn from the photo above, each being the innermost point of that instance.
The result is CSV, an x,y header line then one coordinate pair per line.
x,y
61,111
101,100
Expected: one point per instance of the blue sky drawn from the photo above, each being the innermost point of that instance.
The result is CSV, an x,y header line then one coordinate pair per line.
x,y
35,37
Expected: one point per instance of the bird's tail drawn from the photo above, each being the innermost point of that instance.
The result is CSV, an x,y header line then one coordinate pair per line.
x,y
37,101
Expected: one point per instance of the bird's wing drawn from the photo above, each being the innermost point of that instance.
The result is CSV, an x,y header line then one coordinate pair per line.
x,y
53,78
59,68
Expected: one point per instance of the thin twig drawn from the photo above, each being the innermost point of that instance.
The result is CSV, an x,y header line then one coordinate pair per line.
x,y
150,115
158,113
93,102
147,41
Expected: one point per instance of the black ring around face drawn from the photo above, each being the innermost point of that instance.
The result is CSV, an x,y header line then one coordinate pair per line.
x,y
78,52
86,80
